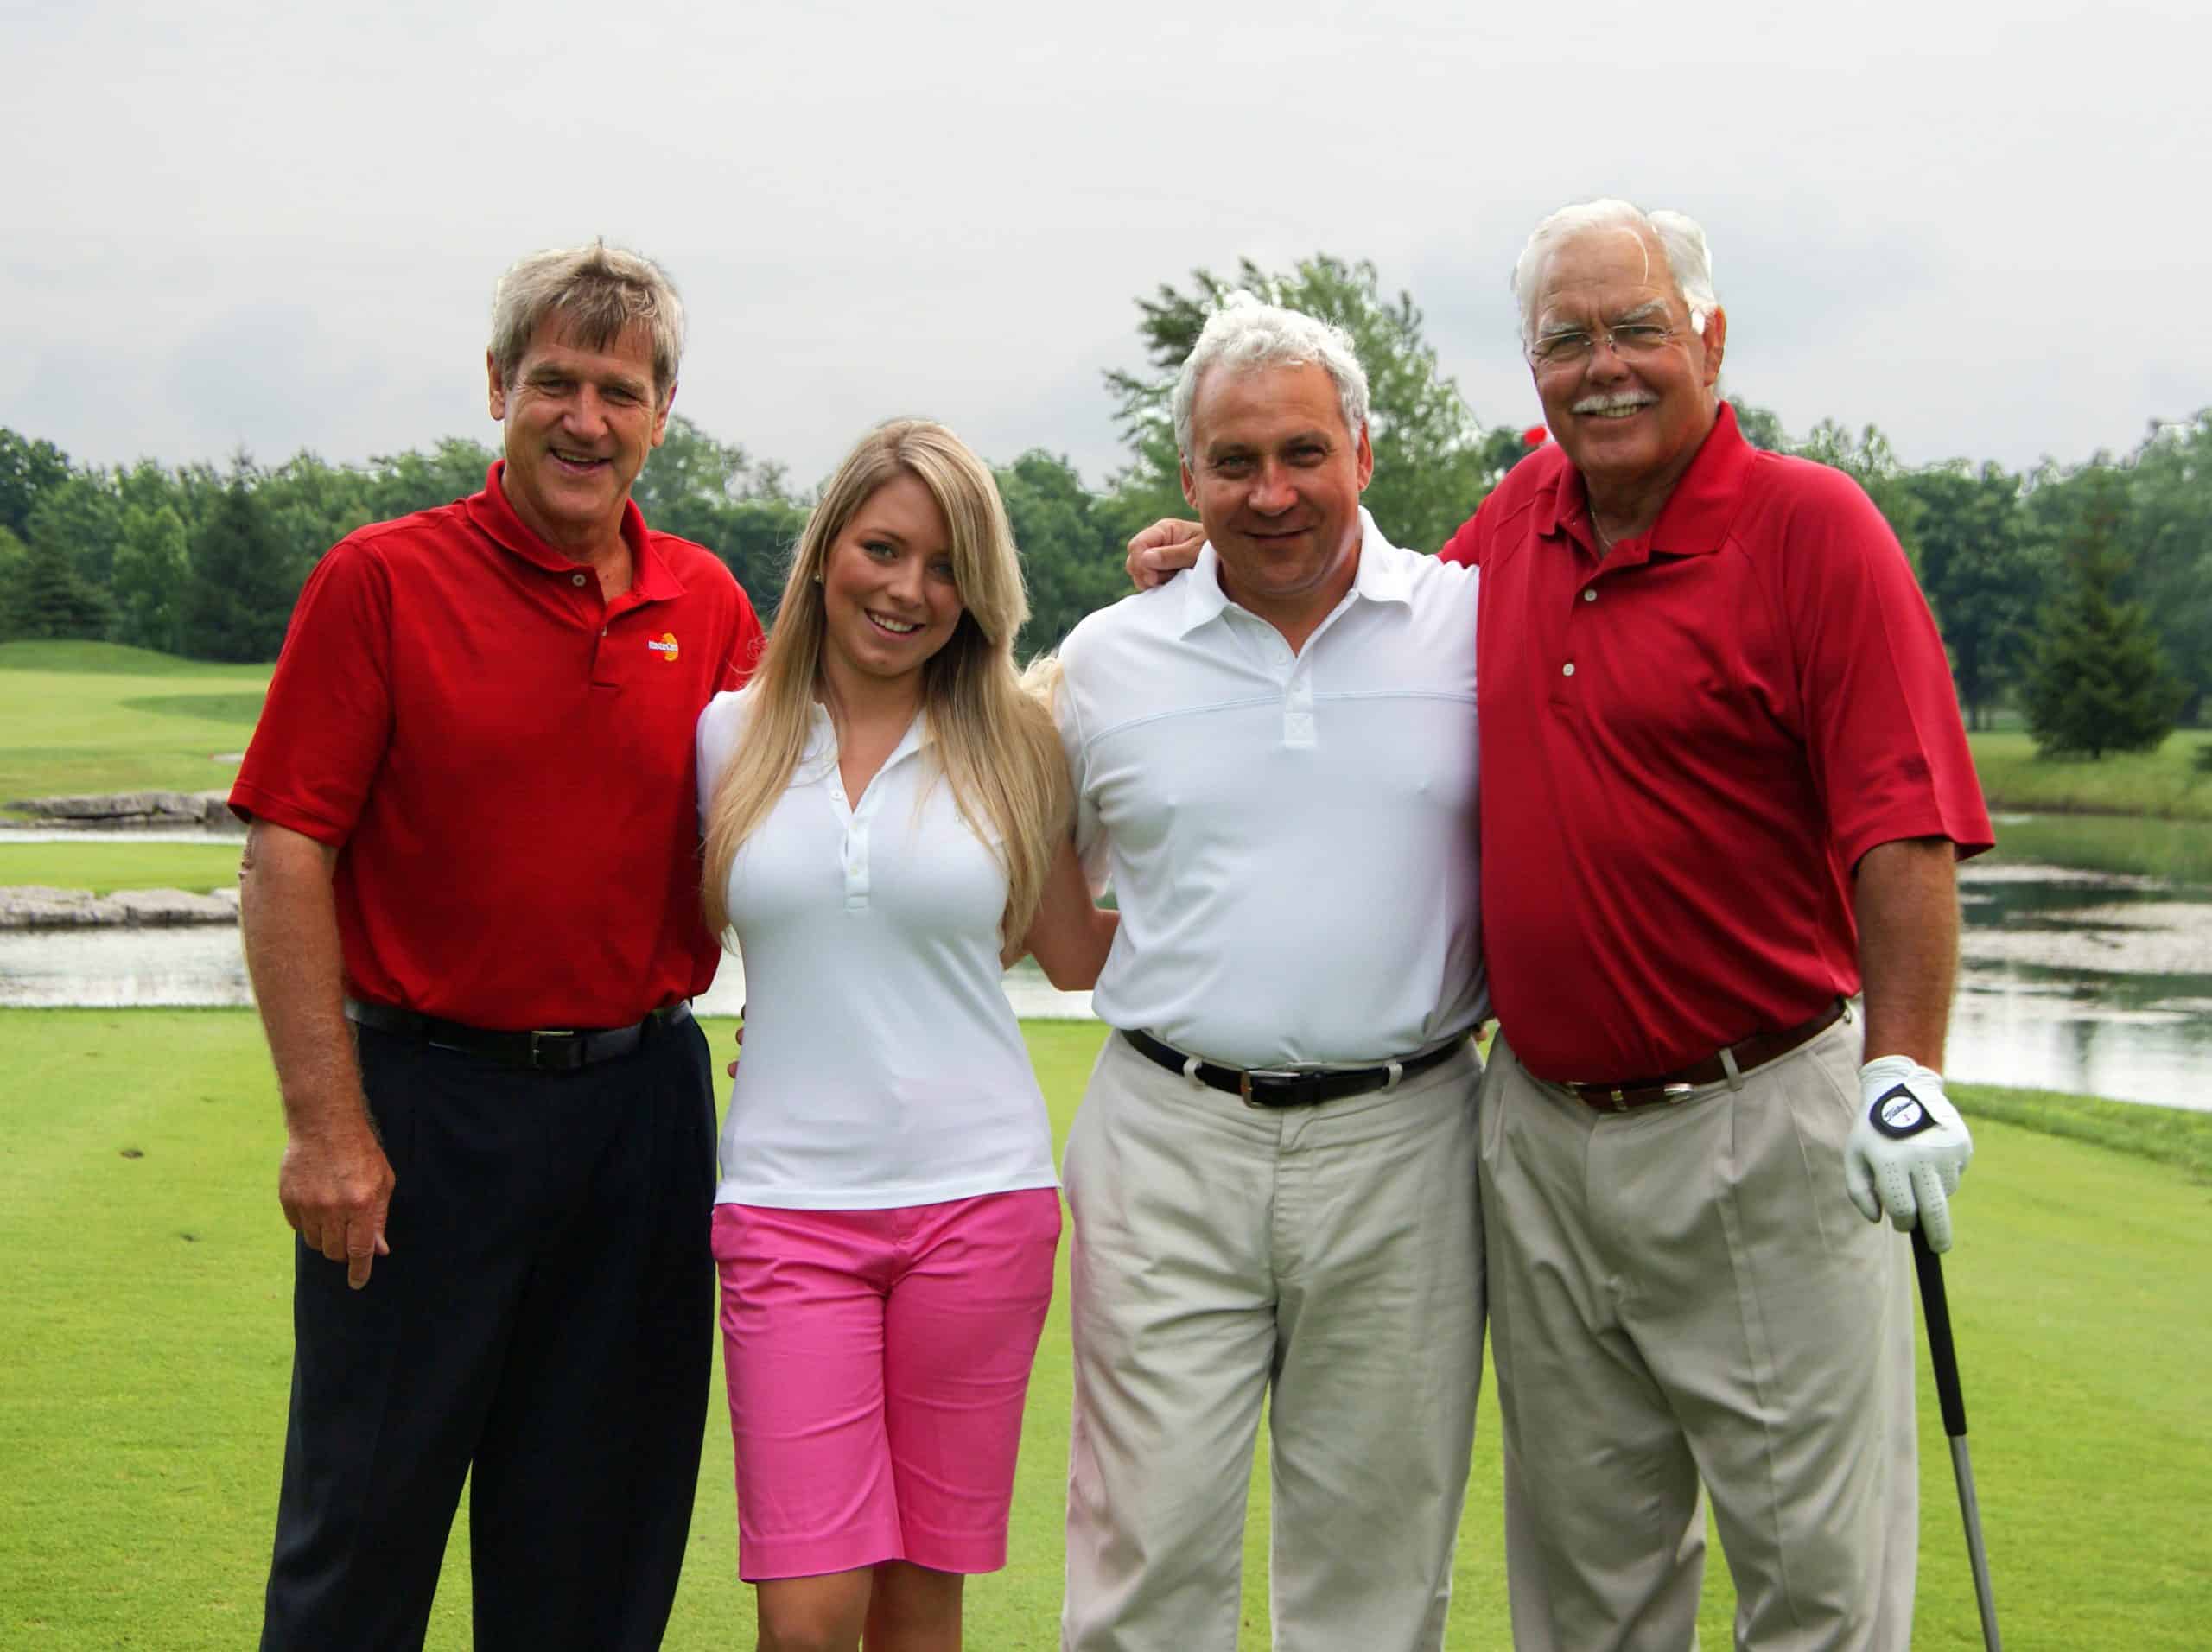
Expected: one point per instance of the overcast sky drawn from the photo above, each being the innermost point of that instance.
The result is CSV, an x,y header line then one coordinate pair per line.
x,y
1982,226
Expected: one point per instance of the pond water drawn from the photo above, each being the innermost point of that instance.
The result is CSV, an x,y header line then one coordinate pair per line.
x,y
2086,964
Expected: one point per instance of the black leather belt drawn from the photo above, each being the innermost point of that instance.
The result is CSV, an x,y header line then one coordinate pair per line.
x,y
1281,1087
545,1050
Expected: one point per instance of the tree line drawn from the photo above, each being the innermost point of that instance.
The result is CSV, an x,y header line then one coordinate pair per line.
x,y
2082,593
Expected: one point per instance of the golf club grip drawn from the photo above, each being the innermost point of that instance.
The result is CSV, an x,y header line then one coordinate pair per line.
x,y
1935,1310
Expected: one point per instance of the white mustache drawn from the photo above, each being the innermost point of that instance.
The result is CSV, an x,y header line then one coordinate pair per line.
x,y
1612,401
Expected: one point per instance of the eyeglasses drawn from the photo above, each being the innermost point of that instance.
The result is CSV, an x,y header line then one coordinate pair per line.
x,y
1573,348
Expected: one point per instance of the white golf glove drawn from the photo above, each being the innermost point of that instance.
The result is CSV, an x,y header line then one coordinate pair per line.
x,y
1907,1150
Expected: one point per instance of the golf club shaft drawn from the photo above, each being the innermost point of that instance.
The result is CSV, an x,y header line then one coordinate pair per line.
x,y
1936,1310
1970,1511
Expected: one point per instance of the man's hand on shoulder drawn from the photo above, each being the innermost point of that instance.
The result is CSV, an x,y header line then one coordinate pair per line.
x,y
336,1185
1162,552
1908,1148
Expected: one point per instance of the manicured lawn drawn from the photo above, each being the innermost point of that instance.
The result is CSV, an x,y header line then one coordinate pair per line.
x,y
2166,782
143,1371
101,717
109,861
2134,845
77,716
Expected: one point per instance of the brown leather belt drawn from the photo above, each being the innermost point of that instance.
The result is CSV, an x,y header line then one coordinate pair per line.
x,y
1754,1051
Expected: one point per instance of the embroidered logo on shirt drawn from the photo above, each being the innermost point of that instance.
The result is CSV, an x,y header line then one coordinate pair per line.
x,y
664,646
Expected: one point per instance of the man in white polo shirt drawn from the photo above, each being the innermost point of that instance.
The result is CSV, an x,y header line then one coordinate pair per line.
x,y
1272,1175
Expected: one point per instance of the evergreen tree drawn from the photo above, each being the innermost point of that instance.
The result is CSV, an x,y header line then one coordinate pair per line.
x,y
238,597
2098,681
13,554
29,469
50,598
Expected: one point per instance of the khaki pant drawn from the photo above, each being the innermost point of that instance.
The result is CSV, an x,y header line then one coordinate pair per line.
x,y
1331,1253
1684,1293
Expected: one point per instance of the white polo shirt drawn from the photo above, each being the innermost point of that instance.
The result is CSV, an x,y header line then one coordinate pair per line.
x,y
1291,839
882,1065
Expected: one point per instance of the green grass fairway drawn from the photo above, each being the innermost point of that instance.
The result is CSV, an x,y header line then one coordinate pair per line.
x,y
144,1371
101,717
110,861
2166,782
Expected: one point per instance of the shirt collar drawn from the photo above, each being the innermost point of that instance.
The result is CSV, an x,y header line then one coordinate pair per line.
x,y
821,736
651,579
1380,577
1697,514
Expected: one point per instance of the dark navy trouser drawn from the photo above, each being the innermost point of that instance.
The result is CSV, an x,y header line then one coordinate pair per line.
x,y
544,1322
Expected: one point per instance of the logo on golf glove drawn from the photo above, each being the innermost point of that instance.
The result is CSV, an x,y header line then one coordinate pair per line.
x,y
1898,1113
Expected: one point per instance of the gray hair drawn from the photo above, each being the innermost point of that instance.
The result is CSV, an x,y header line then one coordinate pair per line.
x,y
1688,260
600,292
1246,333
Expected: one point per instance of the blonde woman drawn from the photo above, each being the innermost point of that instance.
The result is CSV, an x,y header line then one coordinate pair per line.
x,y
887,822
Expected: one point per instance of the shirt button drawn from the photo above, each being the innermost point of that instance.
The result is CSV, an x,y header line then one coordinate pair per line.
x,y
1567,670
1590,595
575,579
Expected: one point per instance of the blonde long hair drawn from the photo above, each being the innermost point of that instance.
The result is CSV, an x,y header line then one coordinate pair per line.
x,y
995,743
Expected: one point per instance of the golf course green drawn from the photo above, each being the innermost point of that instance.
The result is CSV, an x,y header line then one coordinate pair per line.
x,y
143,1372
145,1335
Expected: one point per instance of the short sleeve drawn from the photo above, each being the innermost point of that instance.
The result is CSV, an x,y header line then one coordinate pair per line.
x,y
1090,846
1881,717
326,722
716,737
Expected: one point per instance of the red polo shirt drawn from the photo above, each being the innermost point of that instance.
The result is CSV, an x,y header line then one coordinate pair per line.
x,y
503,760
1686,747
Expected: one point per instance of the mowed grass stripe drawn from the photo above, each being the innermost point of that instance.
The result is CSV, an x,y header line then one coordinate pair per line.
x,y
143,1374
100,717
111,861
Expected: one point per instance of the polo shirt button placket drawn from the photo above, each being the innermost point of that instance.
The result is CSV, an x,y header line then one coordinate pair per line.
x,y
1298,708
857,866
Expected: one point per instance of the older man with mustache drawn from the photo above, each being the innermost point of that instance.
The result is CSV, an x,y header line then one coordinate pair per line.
x,y
1726,786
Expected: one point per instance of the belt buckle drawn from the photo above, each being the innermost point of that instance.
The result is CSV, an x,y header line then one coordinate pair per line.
x,y
1669,1094
1244,1081
538,1050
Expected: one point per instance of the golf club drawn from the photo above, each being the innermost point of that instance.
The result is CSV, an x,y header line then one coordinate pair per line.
x,y
1936,1310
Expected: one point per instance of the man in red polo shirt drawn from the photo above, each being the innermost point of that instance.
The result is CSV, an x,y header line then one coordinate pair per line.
x,y
470,909
1724,786
1727,784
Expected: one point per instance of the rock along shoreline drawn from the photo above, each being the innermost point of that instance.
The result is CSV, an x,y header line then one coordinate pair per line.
x,y
123,811
33,906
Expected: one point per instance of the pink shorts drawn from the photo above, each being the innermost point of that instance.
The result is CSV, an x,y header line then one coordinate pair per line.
x,y
877,1362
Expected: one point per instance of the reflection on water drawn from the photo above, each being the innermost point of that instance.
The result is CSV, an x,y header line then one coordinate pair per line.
x,y
202,965
122,837
2087,960
2087,963
123,967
